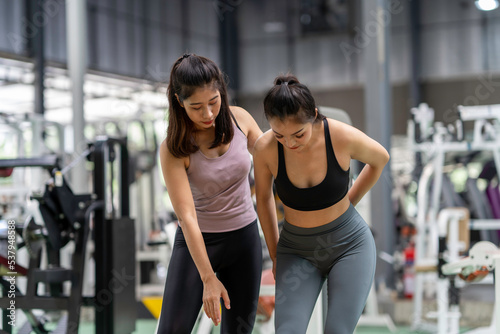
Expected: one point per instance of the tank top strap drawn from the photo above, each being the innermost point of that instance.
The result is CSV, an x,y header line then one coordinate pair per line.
x,y
235,122
281,162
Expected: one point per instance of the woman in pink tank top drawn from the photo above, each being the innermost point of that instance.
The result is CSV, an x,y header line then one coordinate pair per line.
x,y
205,161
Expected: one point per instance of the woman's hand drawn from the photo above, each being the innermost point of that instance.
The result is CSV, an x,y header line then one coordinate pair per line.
x,y
213,291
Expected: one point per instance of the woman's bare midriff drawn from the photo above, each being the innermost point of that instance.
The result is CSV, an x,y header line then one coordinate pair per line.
x,y
318,217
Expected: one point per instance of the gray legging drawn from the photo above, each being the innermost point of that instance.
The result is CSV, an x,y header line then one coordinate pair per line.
x,y
343,252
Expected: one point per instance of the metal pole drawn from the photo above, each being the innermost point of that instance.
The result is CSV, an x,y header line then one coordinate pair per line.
x,y
34,11
35,31
415,46
76,37
414,13
378,115
290,36
228,27
102,237
185,6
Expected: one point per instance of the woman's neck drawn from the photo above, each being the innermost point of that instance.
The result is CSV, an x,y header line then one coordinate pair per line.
x,y
204,135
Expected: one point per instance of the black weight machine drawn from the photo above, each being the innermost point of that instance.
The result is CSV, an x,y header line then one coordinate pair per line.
x,y
102,215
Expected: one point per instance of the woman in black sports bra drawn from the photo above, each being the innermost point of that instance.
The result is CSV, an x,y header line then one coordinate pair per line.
x,y
323,237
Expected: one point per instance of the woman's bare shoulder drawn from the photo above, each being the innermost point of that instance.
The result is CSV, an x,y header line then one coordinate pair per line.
x,y
167,158
266,142
341,132
241,115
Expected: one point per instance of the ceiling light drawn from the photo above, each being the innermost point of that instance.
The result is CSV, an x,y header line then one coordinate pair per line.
x,y
486,5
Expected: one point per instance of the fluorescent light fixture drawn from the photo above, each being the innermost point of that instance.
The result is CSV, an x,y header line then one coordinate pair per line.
x,y
105,98
486,5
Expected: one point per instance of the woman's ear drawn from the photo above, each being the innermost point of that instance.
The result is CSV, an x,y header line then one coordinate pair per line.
x,y
316,111
179,100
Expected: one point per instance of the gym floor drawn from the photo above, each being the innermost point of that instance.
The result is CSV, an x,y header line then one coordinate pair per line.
x,y
473,307
144,326
148,326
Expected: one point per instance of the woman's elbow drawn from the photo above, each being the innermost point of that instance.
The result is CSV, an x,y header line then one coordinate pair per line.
x,y
385,157
381,161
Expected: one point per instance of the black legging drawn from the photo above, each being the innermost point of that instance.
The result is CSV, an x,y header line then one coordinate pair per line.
x,y
236,258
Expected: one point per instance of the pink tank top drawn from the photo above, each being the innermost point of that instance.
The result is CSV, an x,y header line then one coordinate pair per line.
x,y
221,188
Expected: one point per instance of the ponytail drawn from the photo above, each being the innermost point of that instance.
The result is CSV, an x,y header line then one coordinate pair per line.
x,y
289,98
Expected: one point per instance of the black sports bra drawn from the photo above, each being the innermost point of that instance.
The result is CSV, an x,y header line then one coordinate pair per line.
x,y
323,195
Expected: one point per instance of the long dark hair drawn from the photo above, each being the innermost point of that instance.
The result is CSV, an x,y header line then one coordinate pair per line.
x,y
289,98
188,73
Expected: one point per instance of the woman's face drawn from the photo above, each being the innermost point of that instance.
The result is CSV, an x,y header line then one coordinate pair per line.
x,y
291,133
203,106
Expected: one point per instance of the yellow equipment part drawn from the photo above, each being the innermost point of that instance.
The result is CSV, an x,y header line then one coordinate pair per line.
x,y
153,304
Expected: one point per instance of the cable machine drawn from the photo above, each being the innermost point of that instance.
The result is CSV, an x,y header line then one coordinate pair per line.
x,y
102,215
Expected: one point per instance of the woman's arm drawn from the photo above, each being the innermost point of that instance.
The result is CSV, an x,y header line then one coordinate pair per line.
x,y
364,149
248,125
174,173
266,206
